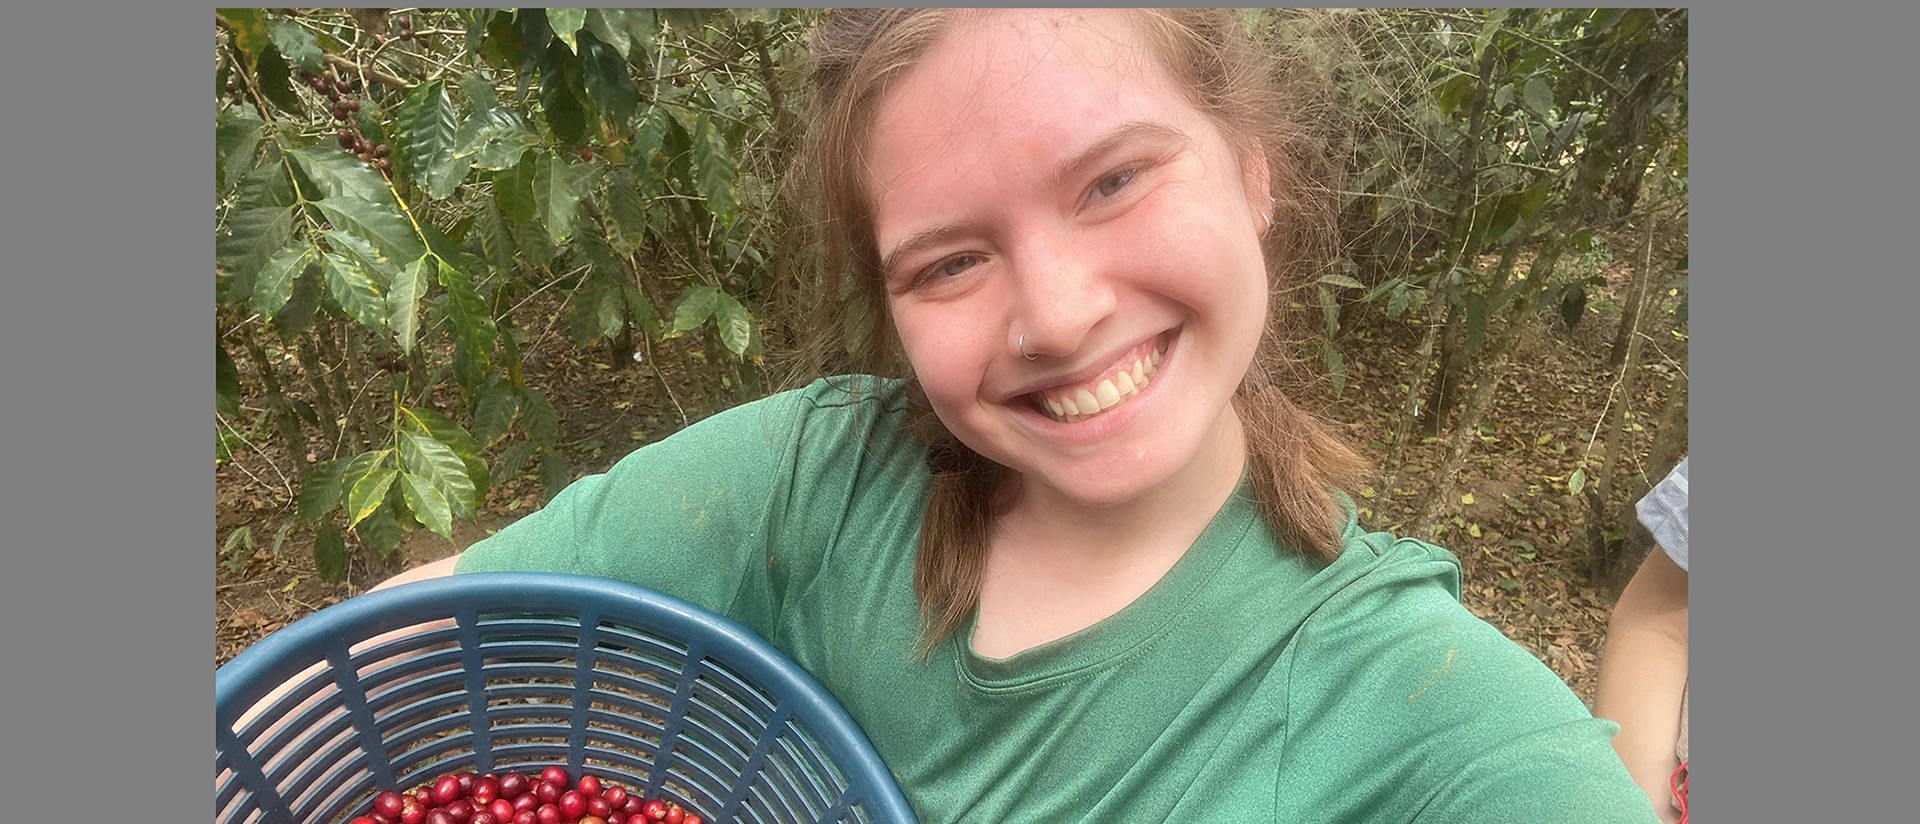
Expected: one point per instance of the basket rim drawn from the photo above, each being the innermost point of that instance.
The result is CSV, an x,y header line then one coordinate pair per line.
x,y
283,654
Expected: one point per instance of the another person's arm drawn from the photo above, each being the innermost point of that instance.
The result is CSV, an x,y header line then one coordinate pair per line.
x,y
1643,675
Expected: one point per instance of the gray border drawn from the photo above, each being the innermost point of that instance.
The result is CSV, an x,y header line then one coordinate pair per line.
x,y
1804,648
105,587
104,324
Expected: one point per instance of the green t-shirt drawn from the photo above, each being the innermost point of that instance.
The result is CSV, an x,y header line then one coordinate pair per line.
x,y
1246,685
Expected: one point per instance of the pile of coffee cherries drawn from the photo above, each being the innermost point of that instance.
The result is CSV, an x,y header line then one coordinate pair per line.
x,y
515,798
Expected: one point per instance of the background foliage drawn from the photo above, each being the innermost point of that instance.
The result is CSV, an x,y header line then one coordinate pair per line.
x,y
394,188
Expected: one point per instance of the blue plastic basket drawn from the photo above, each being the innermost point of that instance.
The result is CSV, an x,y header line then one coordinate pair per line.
x,y
493,672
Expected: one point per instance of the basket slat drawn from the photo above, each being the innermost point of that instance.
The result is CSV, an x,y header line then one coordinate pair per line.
x,y
515,671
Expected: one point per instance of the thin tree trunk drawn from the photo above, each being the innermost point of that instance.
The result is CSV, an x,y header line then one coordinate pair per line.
x,y
293,439
1618,411
307,350
1493,365
1416,384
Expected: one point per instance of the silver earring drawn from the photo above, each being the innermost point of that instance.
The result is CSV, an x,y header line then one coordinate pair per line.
x,y
1022,346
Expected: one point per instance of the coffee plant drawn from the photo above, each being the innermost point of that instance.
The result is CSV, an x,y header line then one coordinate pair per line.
x,y
390,186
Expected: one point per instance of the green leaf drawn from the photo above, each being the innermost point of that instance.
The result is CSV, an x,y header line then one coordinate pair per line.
x,y
564,116
357,289
714,171
340,175
467,312
248,26
542,422
403,301
226,382
251,239
609,86
1451,93
427,133
650,139
554,473
237,140
296,44
733,322
628,210
556,194
294,318
1487,30
495,241
428,504
320,492
275,83
534,245
1534,198
1341,280
493,411
273,286
477,88
440,428
1537,96
382,531
378,223
330,553
441,466
514,458
1329,310
1578,481
513,189
359,467
494,139
609,27
567,24
1399,300
696,304
368,494
1336,367
1507,584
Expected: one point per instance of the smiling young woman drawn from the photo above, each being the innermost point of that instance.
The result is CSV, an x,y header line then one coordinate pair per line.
x,y
1080,558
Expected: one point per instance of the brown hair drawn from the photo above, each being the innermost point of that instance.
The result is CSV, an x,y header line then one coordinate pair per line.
x,y
1266,101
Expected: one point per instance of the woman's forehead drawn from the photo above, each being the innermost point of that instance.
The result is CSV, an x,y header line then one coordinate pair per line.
x,y
1009,91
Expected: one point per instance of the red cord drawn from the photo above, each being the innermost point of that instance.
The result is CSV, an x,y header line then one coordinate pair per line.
x,y
1678,783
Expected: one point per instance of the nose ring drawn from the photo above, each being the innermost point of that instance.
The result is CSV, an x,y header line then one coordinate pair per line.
x,y
1022,346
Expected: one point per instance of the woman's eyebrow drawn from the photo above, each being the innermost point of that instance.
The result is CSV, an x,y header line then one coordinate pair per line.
x,y
913,243
1076,167
1114,139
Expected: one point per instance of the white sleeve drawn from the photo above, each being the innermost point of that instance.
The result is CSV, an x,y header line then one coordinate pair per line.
x,y
1664,512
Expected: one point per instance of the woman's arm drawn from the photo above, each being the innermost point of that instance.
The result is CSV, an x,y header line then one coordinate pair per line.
x,y
432,569
1643,675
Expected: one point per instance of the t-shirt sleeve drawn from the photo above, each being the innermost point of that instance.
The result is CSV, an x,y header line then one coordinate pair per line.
x,y
1432,715
688,515
1664,513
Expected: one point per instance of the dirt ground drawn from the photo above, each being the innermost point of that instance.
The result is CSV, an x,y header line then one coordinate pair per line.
x,y
1518,532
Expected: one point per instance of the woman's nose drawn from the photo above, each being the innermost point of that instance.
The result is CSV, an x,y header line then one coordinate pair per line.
x,y
1062,291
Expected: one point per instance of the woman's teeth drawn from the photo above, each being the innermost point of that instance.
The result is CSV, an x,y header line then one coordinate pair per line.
x,y
1090,399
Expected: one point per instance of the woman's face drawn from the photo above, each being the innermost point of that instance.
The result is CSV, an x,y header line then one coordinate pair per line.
x,y
1040,182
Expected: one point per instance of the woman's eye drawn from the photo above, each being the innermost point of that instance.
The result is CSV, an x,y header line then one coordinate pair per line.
x,y
1107,186
952,267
